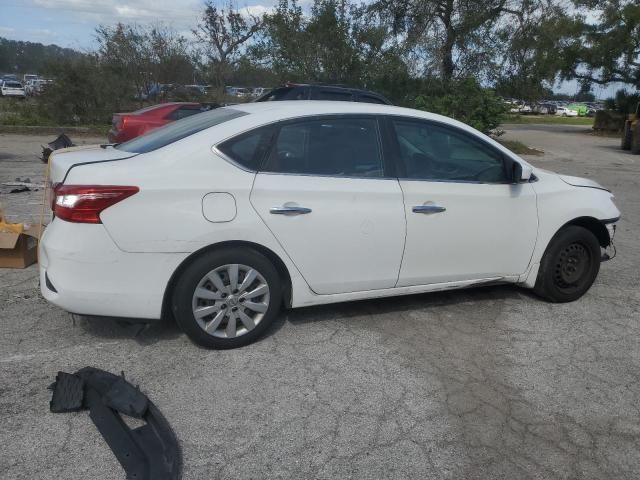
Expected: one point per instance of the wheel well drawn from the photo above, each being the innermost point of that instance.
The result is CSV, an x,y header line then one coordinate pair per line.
x,y
283,272
595,226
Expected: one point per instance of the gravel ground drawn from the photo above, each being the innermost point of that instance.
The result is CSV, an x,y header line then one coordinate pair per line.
x,y
475,384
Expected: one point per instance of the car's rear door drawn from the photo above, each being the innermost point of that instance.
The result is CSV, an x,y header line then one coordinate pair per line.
x,y
465,219
327,196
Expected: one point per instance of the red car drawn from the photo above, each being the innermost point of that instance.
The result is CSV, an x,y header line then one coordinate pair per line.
x,y
133,124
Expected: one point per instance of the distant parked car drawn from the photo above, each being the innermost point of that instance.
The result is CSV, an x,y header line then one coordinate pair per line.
x,y
36,86
11,88
566,112
133,124
259,91
303,91
27,77
580,108
544,108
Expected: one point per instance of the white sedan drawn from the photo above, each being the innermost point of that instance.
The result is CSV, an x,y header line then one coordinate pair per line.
x,y
11,88
566,112
222,219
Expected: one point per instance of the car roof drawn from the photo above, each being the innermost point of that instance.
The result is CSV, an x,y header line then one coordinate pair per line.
x,y
281,110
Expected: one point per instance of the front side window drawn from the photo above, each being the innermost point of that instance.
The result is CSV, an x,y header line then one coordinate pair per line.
x,y
333,147
433,152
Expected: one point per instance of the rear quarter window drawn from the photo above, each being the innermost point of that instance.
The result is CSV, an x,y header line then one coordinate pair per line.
x,y
249,149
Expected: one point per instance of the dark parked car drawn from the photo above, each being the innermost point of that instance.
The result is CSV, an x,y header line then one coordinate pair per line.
x,y
304,91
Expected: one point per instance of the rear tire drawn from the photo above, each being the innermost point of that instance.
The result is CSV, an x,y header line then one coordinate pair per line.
x,y
569,266
626,136
227,298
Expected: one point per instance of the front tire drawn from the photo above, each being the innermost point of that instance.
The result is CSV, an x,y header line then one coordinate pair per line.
x,y
227,298
569,266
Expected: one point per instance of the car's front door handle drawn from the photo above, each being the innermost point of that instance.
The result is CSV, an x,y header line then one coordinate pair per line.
x,y
428,209
289,210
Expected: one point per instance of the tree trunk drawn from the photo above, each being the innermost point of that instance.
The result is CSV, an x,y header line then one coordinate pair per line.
x,y
446,65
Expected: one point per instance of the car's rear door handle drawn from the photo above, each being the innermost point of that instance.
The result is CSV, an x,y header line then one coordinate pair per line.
x,y
289,210
428,209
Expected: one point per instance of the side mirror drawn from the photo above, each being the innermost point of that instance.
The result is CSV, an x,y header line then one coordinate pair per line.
x,y
520,173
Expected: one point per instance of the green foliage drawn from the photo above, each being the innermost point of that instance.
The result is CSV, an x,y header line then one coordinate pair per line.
x,y
607,49
466,101
623,102
84,91
335,44
29,57
222,35
22,112
144,56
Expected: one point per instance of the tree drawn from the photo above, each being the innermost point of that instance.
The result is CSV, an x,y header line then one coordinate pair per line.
x,y
465,100
84,90
527,60
449,34
336,43
145,56
605,50
222,34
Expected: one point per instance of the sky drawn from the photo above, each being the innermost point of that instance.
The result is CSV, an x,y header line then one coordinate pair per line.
x,y
71,23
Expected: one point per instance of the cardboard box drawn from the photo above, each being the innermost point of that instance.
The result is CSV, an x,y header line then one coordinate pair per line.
x,y
18,245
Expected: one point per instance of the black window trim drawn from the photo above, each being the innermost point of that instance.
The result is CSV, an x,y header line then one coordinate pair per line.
x,y
394,152
387,165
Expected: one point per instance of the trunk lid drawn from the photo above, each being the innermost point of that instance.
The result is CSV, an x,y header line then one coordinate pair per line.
x,y
61,161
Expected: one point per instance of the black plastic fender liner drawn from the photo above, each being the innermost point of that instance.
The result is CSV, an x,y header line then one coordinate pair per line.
x,y
148,452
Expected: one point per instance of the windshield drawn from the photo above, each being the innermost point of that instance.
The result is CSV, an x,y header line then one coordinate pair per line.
x,y
180,129
12,85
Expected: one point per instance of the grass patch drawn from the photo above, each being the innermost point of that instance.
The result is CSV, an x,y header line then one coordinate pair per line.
x,y
548,120
520,148
28,113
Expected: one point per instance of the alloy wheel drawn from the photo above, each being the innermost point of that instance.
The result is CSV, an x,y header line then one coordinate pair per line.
x,y
230,301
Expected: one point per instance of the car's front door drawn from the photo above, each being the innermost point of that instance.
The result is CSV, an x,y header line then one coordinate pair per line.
x,y
324,193
465,219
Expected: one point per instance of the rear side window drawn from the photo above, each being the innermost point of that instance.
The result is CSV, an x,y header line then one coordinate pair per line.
x,y
178,130
333,147
249,149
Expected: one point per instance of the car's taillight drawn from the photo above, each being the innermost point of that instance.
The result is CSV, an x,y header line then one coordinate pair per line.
x,y
119,122
84,203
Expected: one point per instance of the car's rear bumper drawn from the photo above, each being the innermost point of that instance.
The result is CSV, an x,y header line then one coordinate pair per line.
x,y
83,271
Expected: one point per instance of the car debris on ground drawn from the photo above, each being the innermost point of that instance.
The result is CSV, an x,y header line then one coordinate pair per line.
x,y
148,452
63,141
